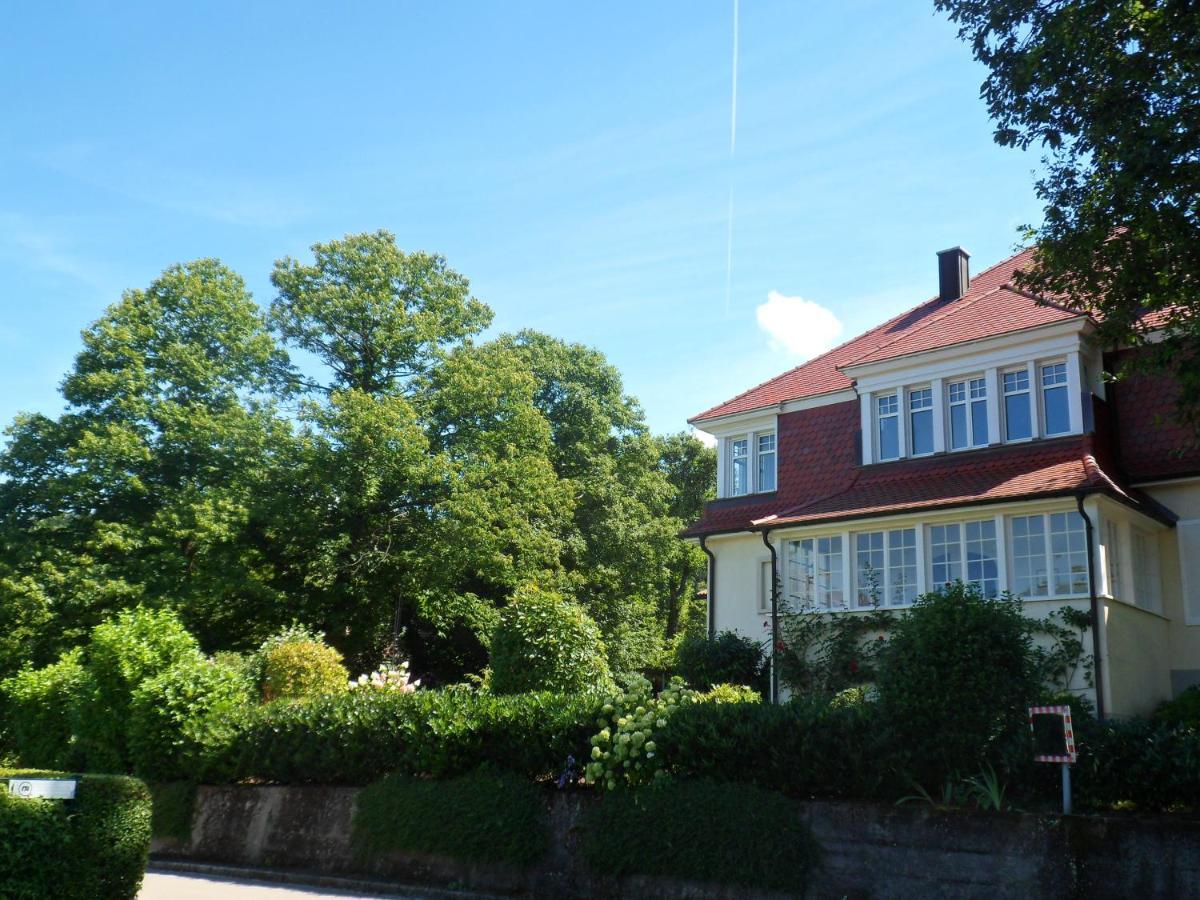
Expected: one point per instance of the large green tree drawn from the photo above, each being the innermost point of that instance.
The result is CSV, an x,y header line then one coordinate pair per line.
x,y
146,487
1111,91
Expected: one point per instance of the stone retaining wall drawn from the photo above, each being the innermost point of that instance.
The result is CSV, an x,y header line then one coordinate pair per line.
x,y
869,850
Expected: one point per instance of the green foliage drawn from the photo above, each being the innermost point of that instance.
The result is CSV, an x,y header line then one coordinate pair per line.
x,y
123,652
625,751
727,658
1136,764
822,653
174,806
1183,711
94,847
359,736
300,669
956,678
702,831
182,716
484,816
35,711
1111,91
729,693
802,748
544,642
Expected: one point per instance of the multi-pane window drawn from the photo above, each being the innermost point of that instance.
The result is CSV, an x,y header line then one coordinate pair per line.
x,y
752,464
766,462
1146,574
1112,558
920,417
983,568
815,578
1018,415
968,413
972,543
888,415
1055,403
739,458
1049,555
886,567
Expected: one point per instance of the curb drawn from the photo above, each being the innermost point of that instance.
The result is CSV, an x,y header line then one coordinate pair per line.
x,y
364,886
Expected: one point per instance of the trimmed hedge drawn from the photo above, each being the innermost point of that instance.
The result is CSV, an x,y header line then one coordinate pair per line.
x,y
485,816
361,735
94,847
702,831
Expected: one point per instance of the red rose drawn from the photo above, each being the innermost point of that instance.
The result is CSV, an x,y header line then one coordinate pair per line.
x,y
781,647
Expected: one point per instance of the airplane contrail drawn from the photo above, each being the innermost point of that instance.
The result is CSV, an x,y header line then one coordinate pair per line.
x,y
732,152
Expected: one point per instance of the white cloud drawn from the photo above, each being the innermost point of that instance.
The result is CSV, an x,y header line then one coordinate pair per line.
x,y
798,326
704,437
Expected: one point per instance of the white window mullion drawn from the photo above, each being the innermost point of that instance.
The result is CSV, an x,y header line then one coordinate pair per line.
x,y
1035,401
939,415
992,376
1075,395
922,577
722,473
866,420
901,423
1001,554
849,563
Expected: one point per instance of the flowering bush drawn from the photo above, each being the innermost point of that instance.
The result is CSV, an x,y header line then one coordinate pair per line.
x,y
387,678
624,750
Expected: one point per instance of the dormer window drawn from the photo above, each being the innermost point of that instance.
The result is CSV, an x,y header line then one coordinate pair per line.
x,y
750,463
968,413
889,426
920,417
1055,402
1018,413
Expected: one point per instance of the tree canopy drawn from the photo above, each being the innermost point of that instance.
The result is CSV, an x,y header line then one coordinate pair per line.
x,y
396,497
1111,91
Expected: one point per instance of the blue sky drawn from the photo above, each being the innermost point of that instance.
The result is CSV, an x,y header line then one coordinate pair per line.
x,y
573,160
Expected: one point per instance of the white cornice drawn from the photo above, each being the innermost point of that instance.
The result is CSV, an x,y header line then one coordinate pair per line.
x,y
750,417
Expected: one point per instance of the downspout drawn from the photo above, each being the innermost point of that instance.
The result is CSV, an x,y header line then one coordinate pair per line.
x,y
774,615
712,589
1097,674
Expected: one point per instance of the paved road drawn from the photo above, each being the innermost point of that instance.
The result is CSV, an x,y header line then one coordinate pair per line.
x,y
176,886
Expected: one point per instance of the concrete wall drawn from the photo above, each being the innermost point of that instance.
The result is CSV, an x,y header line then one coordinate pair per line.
x,y
869,850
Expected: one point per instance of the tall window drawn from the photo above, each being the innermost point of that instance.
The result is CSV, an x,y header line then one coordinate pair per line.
x,y
968,413
886,567
1018,417
1145,574
1055,402
1049,555
971,542
888,407
766,462
1112,559
739,452
815,579
920,416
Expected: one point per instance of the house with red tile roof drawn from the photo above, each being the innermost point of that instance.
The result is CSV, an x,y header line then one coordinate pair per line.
x,y
978,436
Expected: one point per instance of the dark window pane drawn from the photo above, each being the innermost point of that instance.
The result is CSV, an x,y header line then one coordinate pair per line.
x,y
1058,418
1018,424
922,431
889,438
958,426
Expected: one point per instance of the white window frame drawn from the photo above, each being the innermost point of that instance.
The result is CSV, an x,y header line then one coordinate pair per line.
x,y
1042,387
962,543
753,456
759,455
1031,399
1113,563
912,412
1048,554
764,586
968,402
887,573
813,596
896,397
1147,574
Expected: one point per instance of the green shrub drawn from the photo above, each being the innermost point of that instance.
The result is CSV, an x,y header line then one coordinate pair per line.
x,y
956,679
296,670
359,736
727,658
702,831
802,748
174,807
35,711
1184,710
625,751
483,816
94,847
180,718
546,643
122,653
729,693
1136,764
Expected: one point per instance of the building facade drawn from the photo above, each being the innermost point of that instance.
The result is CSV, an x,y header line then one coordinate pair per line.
x,y
974,437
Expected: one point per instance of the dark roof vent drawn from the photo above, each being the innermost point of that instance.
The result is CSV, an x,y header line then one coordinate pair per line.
x,y
954,275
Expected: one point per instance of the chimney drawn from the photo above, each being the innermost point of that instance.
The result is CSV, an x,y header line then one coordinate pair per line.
x,y
954,275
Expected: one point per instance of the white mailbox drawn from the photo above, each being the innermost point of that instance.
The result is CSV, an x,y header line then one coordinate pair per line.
x,y
43,788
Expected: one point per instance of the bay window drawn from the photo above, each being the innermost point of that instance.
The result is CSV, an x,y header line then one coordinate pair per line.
x,y
886,567
1147,590
965,552
1049,555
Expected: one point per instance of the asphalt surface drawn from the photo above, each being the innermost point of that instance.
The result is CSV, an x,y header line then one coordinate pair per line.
x,y
160,885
